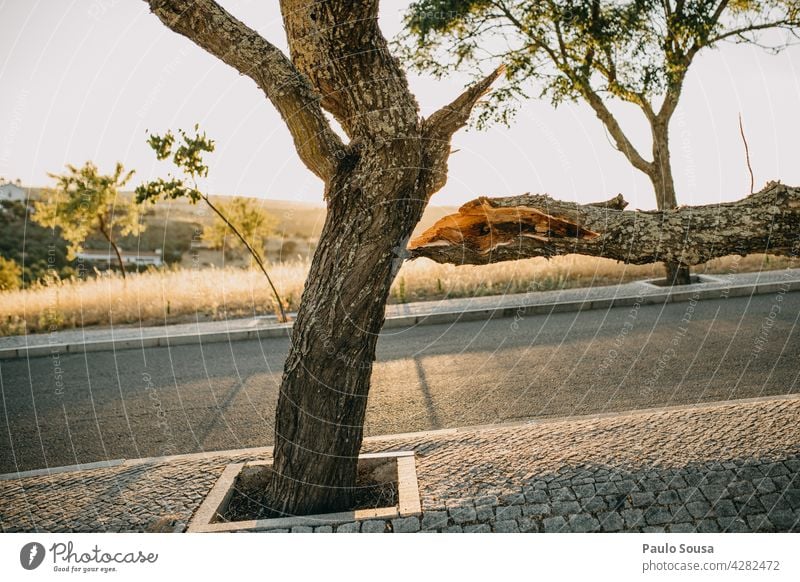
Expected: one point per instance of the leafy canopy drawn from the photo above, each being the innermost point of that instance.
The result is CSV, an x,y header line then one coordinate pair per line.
x,y
86,202
633,50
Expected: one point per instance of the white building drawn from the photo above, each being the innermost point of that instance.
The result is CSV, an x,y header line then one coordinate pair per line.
x,y
12,192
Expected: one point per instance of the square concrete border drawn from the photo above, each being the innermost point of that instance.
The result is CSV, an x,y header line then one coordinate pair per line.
x,y
408,501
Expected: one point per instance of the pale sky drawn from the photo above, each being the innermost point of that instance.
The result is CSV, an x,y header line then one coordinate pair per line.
x,y
83,80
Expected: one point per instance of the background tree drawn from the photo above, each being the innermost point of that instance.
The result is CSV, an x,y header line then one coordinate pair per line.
x,y
10,274
246,220
37,249
86,202
636,51
377,185
254,223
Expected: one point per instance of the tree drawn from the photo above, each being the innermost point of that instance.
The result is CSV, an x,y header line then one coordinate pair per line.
x,y
254,223
376,188
636,51
10,274
86,202
247,223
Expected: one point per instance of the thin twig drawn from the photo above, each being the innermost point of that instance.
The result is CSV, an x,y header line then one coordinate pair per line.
x,y
253,253
747,155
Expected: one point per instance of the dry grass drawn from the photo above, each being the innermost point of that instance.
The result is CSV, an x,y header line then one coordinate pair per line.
x,y
211,294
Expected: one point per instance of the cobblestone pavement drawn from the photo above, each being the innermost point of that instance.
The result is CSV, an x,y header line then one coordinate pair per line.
x,y
720,467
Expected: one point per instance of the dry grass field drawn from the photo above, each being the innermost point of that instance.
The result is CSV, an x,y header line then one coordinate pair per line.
x,y
181,295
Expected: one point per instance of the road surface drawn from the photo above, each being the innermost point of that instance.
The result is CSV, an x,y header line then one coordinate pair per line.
x,y
82,408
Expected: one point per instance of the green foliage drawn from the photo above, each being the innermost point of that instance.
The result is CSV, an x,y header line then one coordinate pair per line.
x,y
86,202
27,243
254,223
187,157
633,50
10,275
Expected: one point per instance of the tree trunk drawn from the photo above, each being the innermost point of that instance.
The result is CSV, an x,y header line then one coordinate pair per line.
x,y
491,230
664,186
323,396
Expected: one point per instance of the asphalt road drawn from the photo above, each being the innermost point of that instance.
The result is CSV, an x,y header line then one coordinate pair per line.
x,y
138,403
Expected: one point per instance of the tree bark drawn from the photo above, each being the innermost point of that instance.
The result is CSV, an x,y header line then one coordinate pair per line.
x,y
677,273
376,187
503,229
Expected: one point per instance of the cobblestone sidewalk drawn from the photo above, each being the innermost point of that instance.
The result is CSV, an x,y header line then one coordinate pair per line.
x,y
723,467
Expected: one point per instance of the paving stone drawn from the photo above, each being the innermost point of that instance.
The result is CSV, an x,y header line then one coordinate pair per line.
x,y
583,522
657,515
323,529
792,496
607,488
484,513
536,509
733,524
506,526
749,473
690,494
562,494
565,507
714,491
582,491
759,522
477,528
749,506
708,526
667,497
698,509
352,527
267,531
434,519
783,520
406,524
302,529
765,485
633,517
527,525
513,499
462,514
554,524
373,526
682,528
505,513
627,486
611,521
486,500
774,469
740,488
594,504
536,496
642,498
725,508
680,514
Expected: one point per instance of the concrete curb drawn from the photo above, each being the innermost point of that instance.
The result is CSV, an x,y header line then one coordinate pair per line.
x,y
687,293
260,452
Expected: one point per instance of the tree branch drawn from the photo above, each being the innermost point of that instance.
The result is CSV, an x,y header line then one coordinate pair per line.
x,y
212,28
622,142
503,229
439,128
